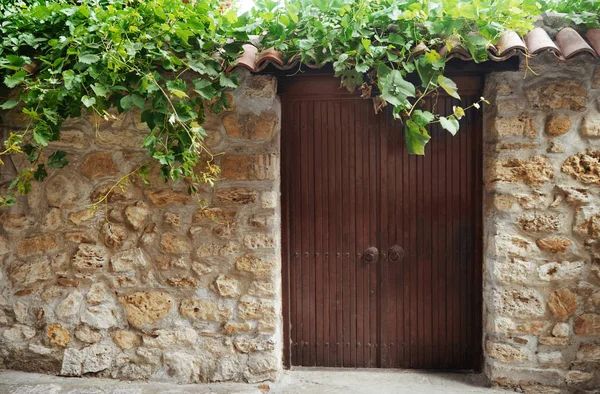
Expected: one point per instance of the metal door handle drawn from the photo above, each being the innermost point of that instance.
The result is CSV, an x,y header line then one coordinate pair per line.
x,y
395,253
371,255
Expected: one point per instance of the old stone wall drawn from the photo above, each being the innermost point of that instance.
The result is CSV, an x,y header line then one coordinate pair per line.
x,y
149,286
542,227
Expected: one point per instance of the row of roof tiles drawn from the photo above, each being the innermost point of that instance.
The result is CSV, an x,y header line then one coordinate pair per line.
x,y
567,44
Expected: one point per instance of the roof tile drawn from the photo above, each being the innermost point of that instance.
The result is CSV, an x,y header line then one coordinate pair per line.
x,y
569,43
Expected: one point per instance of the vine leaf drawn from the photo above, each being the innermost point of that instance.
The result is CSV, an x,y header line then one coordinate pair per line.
x,y
449,86
450,124
416,138
395,89
477,46
57,159
88,58
9,104
13,80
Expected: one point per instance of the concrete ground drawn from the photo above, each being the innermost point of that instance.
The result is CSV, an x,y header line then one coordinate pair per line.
x,y
313,381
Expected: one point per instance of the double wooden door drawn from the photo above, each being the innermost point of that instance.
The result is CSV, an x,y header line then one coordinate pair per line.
x,y
381,249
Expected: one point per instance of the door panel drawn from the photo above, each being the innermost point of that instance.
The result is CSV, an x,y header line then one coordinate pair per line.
x,y
349,185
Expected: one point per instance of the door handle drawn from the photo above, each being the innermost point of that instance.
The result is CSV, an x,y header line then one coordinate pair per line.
x,y
371,255
395,253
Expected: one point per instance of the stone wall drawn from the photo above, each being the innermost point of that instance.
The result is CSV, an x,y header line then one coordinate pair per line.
x,y
542,227
150,286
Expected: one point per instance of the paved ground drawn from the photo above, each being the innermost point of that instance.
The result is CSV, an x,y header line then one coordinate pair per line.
x,y
293,382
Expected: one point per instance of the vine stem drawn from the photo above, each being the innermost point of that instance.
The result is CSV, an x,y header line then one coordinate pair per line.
x,y
122,179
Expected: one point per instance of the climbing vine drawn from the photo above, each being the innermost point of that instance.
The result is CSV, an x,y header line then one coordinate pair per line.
x,y
169,59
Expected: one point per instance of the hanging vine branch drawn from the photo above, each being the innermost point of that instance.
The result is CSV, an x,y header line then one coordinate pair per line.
x,y
169,58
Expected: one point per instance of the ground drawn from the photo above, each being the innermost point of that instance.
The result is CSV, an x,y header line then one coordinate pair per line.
x,y
293,382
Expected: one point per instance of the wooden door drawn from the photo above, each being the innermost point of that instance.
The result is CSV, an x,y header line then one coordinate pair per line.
x,y
381,249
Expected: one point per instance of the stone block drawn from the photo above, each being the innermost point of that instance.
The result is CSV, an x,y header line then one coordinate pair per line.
x,y
590,127
553,94
588,324
97,165
261,86
195,308
36,245
587,222
519,126
534,171
166,197
235,196
522,303
146,308
58,335
250,126
584,167
540,222
250,168
554,244
557,125
562,303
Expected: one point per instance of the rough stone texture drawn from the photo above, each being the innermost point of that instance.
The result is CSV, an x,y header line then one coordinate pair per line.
x,y
151,286
556,126
584,166
542,230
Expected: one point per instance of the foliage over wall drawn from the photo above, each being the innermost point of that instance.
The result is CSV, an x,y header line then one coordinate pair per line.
x,y
169,58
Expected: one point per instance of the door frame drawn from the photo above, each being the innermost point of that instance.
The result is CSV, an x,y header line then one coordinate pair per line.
x,y
468,82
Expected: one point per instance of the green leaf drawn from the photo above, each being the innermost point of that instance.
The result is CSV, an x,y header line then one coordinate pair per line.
x,y
367,44
416,138
40,174
9,104
422,118
477,46
395,89
57,159
100,90
88,58
449,86
227,82
88,101
68,78
205,89
179,93
450,124
17,78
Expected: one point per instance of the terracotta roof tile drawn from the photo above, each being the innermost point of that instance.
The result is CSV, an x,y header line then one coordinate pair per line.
x,y
568,43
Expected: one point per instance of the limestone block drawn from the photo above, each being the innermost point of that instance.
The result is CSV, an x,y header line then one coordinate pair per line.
x,y
87,335
554,244
90,258
557,125
165,197
146,308
259,266
227,287
27,273
98,164
562,270
99,294
69,309
558,94
587,222
261,86
126,339
588,324
540,222
195,308
562,303
18,333
584,167
58,335
590,126
137,214
523,303
561,330
534,171
250,168
235,196
519,126
115,234
250,126
172,243
259,241
588,352
36,245
101,316
128,260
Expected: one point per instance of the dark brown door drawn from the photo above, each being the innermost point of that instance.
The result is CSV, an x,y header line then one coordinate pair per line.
x,y
381,249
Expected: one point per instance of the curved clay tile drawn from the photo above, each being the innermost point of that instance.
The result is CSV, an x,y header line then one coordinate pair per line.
x,y
509,41
571,43
271,55
248,58
593,37
538,41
